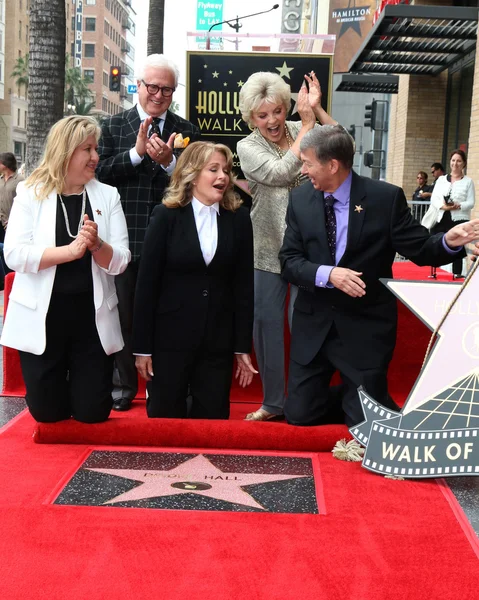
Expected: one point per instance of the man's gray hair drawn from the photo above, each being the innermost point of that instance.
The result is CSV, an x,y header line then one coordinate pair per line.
x,y
158,61
330,142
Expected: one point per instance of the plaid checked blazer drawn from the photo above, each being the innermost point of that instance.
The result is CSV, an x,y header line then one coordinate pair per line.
x,y
140,189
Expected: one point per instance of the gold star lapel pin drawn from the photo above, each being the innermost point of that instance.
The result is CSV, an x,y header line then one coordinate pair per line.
x,y
358,208
98,212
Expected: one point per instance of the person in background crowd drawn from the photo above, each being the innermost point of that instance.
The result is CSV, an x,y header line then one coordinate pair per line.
x,y
138,150
270,161
10,178
437,170
454,198
66,239
342,234
194,294
423,190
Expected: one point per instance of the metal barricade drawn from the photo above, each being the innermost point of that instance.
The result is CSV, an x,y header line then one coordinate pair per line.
x,y
418,210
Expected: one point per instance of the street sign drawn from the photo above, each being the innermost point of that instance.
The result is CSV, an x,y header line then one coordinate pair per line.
x,y
132,88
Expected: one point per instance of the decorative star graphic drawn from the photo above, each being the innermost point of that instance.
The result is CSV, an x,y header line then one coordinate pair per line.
x,y
354,23
200,81
294,98
215,74
205,66
192,476
240,83
455,353
230,72
358,208
225,84
284,70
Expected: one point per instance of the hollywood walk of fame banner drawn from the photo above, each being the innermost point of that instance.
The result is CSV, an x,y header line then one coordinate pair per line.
x,y
436,434
350,21
214,81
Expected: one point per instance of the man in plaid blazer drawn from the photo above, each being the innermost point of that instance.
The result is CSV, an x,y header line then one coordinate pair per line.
x,y
137,155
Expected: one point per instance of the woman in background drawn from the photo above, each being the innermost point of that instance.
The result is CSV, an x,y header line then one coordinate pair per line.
x,y
454,197
270,160
66,239
194,294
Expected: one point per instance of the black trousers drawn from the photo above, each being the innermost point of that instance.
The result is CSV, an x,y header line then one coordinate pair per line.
x,y
207,376
308,398
443,226
72,378
125,375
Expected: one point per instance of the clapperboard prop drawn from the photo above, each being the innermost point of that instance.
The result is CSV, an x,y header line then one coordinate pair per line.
x,y
436,434
214,81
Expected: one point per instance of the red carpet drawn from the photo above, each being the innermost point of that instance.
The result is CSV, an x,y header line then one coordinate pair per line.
x,y
378,539
413,338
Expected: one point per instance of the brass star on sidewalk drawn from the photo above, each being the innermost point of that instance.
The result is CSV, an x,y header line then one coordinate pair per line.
x,y
196,475
284,70
358,208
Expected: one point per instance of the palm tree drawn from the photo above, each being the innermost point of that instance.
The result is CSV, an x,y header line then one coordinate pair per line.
x,y
83,107
156,21
20,72
76,86
46,78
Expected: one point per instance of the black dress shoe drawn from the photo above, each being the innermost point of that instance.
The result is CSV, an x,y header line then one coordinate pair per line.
x,y
122,404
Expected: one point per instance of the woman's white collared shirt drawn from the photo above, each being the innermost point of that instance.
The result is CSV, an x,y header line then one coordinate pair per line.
x,y
207,227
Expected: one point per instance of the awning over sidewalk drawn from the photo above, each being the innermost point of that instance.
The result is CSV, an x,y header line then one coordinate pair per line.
x,y
419,40
375,84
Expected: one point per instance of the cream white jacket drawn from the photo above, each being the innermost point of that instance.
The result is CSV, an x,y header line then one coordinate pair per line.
x,y
462,192
31,229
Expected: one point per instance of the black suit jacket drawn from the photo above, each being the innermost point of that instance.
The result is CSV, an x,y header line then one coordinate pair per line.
x,y
140,187
380,224
182,304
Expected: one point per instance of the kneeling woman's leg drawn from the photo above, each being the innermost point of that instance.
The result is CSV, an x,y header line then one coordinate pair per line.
x,y
90,382
46,375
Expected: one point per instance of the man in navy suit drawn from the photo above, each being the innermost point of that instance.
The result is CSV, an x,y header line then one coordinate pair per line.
x,y
343,232
137,155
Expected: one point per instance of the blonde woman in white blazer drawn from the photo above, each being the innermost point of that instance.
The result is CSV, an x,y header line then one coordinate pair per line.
x,y
67,239
454,198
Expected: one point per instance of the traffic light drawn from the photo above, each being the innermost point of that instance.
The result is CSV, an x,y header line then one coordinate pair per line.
x,y
352,131
115,79
370,115
369,159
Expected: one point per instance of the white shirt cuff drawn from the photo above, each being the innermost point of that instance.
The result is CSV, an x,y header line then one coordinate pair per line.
x,y
135,157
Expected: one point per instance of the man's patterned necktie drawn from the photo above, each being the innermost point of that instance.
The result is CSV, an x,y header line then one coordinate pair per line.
x,y
330,218
155,127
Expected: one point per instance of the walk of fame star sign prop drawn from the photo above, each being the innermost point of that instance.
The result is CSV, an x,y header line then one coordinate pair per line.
x,y
223,481
436,434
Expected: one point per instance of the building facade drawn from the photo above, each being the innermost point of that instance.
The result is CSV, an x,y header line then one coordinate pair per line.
x,y
100,34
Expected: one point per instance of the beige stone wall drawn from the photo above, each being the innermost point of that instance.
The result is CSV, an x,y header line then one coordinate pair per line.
x,y
473,146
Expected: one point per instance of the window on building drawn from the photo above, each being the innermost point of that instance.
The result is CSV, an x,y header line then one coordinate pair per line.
x,y
105,79
89,50
27,33
18,117
19,30
25,119
90,24
89,74
73,23
91,2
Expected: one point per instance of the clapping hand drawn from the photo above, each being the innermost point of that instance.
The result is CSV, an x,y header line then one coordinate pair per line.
x,y
244,369
77,248
315,94
304,108
89,233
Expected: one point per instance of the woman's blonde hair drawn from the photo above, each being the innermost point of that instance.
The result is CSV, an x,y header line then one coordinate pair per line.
x,y
263,87
62,141
188,167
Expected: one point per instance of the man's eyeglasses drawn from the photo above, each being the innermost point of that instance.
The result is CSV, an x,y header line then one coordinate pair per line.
x,y
153,89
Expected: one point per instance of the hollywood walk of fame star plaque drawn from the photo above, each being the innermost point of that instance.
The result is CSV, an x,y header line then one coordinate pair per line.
x,y
239,482
436,434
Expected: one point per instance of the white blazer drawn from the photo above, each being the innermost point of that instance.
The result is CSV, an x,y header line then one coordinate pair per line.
x,y
31,229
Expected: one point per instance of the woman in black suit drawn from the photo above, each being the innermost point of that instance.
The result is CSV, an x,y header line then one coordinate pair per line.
x,y
194,294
